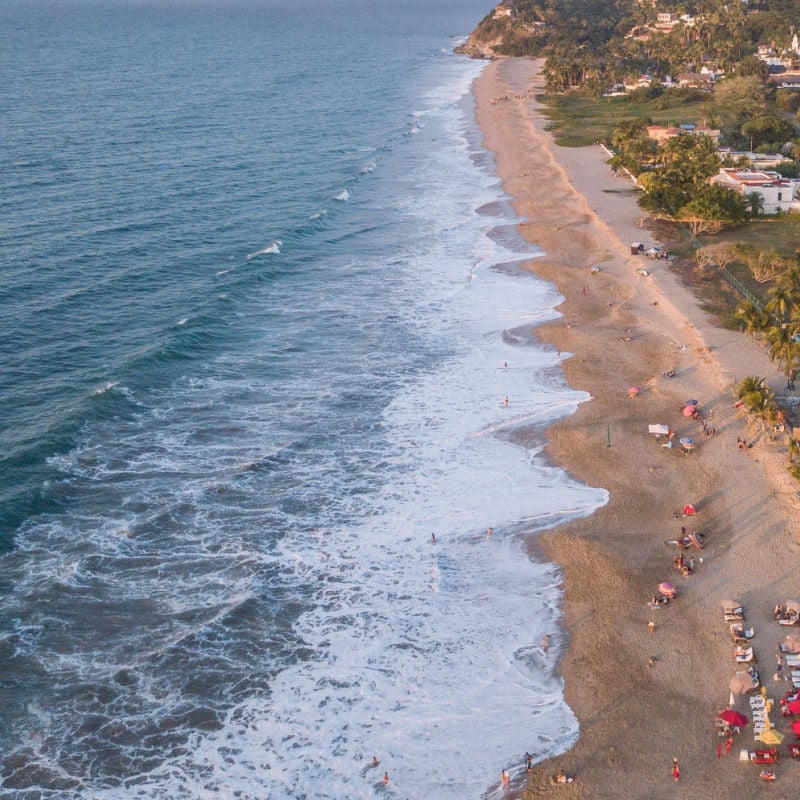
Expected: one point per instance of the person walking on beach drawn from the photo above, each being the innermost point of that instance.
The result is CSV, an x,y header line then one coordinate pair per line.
x,y
676,772
386,779
505,401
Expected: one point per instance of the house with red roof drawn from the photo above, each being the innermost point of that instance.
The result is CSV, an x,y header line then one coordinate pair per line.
x,y
779,194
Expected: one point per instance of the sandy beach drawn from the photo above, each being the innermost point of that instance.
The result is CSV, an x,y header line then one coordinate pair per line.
x,y
644,697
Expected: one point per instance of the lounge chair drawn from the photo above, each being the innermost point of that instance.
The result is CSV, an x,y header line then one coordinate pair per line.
x,y
733,613
740,634
744,655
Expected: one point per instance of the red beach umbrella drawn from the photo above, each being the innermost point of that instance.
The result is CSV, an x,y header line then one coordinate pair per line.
x,y
733,717
688,510
796,727
794,706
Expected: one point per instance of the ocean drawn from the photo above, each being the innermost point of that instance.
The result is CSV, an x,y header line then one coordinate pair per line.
x,y
262,308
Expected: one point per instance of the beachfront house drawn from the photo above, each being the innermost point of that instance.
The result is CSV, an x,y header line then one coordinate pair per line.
x,y
778,194
661,133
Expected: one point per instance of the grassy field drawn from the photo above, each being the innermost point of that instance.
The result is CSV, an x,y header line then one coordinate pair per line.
x,y
577,121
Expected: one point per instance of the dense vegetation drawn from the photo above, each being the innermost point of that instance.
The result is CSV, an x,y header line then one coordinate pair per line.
x,y
593,44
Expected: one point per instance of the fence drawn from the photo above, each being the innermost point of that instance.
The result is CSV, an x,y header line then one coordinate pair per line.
x,y
739,287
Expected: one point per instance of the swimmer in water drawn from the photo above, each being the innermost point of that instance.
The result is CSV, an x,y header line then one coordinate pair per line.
x,y
545,642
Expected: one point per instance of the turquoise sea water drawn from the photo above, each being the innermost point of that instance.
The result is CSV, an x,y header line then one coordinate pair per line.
x,y
259,286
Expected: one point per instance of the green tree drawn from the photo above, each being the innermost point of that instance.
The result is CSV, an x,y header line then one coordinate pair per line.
x,y
713,208
752,66
632,146
767,129
736,100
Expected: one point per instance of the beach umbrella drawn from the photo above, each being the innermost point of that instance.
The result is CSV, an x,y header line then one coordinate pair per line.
x,y
633,391
742,682
791,644
796,727
688,411
794,706
688,510
665,587
770,736
691,402
733,717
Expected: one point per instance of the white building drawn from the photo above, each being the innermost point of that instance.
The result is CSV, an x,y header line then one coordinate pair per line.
x,y
778,193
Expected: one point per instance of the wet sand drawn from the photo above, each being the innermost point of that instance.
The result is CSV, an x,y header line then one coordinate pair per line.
x,y
644,697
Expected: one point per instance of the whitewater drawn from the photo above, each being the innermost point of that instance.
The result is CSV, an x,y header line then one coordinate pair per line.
x,y
269,369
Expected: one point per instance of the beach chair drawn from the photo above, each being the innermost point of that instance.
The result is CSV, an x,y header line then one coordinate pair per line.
x,y
744,655
740,634
732,610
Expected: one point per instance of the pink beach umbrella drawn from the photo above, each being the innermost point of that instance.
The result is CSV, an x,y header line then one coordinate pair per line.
x,y
689,410
666,588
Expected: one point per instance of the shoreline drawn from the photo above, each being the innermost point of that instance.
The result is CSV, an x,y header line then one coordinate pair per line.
x,y
641,697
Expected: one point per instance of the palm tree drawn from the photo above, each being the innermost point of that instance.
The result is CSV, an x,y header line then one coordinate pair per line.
x,y
780,303
791,279
757,398
753,318
754,203
782,347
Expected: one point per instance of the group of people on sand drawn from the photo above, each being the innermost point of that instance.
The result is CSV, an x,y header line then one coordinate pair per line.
x,y
561,777
505,97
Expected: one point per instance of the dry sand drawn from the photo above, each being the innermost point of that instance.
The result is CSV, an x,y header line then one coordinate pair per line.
x,y
623,330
